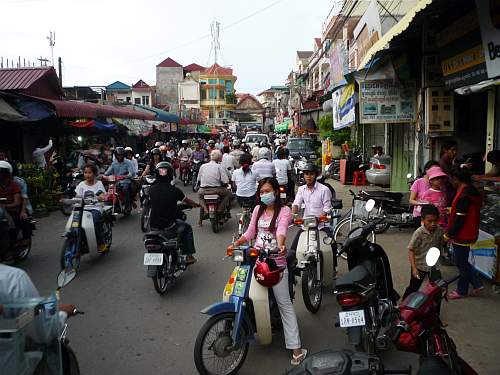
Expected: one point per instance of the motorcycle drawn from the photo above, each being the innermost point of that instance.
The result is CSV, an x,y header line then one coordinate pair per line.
x,y
185,171
80,238
116,194
332,170
145,199
163,257
315,259
216,218
419,328
298,163
248,312
75,177
244,217
283,195
18,247
365,294
195,169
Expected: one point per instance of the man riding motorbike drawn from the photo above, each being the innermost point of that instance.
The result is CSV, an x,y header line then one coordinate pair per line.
x,y
213,180
122,167
185,156
211,146
199,154
155,159
264,167
164,198
237,152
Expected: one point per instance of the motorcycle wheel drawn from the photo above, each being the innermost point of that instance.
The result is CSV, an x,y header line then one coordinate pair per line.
x,y
215,225
160,280
213,347
312,291
108,234
195,182
185,178
23,254
383,227
69,361
75,261
343,229
145,216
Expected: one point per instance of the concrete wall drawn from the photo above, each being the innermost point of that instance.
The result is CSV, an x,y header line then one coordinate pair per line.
x,y
140,94
189,90
119,96
167,80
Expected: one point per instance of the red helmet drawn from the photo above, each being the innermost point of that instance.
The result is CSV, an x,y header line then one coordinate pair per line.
x,y
267,273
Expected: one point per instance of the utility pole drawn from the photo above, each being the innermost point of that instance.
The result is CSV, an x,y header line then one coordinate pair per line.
x,y
52,42
214,28
59,63
43,61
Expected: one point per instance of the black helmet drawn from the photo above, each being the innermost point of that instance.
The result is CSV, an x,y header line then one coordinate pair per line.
x,y
155,151
119,151
310,167
164,170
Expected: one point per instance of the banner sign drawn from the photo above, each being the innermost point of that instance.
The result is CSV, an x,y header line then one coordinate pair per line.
x,y
338,64
488,12
386,101
344,106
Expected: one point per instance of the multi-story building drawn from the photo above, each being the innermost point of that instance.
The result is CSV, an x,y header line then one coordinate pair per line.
x,y
218,100
142,93
168,75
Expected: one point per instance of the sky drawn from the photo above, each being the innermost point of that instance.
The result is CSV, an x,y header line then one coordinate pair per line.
x,y
102,41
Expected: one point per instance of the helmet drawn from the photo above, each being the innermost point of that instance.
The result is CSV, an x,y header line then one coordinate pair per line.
x,y
184,142
236,143
163,148
119,151
158,144
164,170
211,142
264,153
155,151
169,144
128,149
267,273
310,167
6,165
282,141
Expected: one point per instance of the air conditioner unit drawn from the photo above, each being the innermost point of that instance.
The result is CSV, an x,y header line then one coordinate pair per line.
x,y
439,110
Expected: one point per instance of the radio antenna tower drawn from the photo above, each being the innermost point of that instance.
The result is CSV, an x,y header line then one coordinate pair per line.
x,y
52,42
215,28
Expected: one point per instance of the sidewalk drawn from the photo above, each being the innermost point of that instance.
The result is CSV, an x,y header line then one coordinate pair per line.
x,y
473,323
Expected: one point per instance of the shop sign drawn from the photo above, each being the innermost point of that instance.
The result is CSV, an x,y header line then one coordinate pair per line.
x,y
490,32
344,106
386,101
338,64
367,32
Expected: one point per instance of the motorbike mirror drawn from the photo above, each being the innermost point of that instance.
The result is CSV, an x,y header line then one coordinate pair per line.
x,y
360,166
369,205
409,175
432,256
137,155
65,277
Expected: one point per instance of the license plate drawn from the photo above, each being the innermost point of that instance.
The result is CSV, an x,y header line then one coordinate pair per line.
x,y
211,197
352,318
153,259
282,195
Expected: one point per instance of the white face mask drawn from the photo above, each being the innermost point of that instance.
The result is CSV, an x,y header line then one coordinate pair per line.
x,y
267,198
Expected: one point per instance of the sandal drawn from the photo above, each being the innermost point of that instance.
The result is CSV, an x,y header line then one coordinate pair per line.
x,y
477,291
297,359
455,295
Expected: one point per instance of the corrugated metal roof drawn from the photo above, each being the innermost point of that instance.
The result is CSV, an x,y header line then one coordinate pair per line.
x,y
118,85
23,79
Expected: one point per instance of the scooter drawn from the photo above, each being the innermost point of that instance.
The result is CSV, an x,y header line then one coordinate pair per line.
x,y
248,312
365,294
80,238
145,199
163,257
116,194
217,219
419,328
75,177
195,169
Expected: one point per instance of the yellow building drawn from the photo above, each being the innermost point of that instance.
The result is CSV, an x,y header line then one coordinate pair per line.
x,y
217,94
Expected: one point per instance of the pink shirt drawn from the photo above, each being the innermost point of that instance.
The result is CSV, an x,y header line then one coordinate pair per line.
x,y
420,186
282,222
437,198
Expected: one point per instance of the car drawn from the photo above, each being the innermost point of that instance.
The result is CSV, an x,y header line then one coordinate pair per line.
x,y
380,171
254,138
302,147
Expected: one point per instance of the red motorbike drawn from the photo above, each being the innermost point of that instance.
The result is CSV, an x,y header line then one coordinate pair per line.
x,y
419,328
185,171
116,194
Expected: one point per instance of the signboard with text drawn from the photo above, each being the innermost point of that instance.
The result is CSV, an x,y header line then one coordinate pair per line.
x,y
344,106
489,22
386,101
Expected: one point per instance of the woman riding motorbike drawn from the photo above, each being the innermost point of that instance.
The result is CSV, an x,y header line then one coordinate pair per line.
x,y
271,218
156,158
245,182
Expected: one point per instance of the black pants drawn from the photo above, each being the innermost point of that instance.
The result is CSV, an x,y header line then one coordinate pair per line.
x,y
22,225
415,283
247,201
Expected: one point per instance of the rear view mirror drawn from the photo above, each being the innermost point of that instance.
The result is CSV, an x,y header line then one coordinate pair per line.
x,y
370,204
409,175
432,256
65,277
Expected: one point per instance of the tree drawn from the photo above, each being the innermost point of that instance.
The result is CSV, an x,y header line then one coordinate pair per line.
x,y
337,137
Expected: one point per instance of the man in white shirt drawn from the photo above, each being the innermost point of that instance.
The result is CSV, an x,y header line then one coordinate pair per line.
x,y
237,151
129,154
214,180
229,162
185,152
39,155
283,167
264,167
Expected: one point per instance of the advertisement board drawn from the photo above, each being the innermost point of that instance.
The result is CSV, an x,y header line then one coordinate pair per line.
x,y
344,106
386,101
490,34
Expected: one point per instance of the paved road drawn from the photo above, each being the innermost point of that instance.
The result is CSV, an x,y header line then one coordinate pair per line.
x,y
129,329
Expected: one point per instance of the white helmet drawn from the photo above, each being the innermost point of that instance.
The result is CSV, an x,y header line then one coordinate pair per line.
x,y
6,165
264,153
184,142
158,143
128,148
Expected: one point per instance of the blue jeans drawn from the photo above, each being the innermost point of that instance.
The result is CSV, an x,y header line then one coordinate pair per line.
x,y
468,274
99,230
185,233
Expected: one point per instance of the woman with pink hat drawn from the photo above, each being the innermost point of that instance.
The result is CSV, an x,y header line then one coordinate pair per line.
x,y
436,195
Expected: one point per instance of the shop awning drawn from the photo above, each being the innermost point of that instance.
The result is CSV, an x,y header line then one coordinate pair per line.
x,y
397,29
9,113
92,124
160,114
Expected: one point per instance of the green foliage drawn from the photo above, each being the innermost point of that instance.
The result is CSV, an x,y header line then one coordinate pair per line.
x,y
338,137
230,98
43,187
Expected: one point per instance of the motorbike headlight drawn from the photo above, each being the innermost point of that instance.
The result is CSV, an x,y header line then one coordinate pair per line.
x,y
238,256
150,180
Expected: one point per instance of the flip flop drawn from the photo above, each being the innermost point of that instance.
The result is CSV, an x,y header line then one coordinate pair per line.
x,y
455,295
297,359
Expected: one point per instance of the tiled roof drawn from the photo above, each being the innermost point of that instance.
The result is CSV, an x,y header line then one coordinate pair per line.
x,y
169,63
194,68
118,85
217,70
141,85
24,79
304,54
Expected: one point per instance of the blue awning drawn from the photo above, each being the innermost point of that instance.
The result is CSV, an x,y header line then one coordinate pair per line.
x,y
161,115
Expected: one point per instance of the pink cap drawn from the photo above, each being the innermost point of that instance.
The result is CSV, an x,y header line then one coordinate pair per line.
x,y
435,172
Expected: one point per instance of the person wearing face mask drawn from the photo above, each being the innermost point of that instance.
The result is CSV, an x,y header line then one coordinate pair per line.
x,y
271,217
245,182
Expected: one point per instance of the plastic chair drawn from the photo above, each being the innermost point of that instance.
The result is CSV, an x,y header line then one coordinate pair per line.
x,y
359,178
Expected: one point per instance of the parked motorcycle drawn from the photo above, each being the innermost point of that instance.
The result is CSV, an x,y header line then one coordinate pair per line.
x,y
163,257
195,169
73,179
419,328
145,199
217,219
80,238
248,312
365,294
116,194
332,170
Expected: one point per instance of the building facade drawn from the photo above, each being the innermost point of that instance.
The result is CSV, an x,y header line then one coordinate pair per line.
x,y
169,73
142,94
119,92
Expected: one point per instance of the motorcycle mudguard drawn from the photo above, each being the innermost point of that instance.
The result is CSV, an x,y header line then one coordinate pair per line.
x,y
219,308
259,295
67,228
151,271
354,335
301,250
88,227
328,255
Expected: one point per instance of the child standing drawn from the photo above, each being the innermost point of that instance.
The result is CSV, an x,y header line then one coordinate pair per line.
x,y
427,236
436,195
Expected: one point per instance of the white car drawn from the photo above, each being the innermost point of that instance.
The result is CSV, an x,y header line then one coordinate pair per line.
x,y
252,139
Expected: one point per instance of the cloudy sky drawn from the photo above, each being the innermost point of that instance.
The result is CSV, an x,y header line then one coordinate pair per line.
x,y
101,41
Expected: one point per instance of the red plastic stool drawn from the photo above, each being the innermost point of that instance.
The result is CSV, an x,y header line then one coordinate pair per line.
x,y
359,178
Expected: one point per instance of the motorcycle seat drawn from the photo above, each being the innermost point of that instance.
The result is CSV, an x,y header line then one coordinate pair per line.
x,y
358,275
163,234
